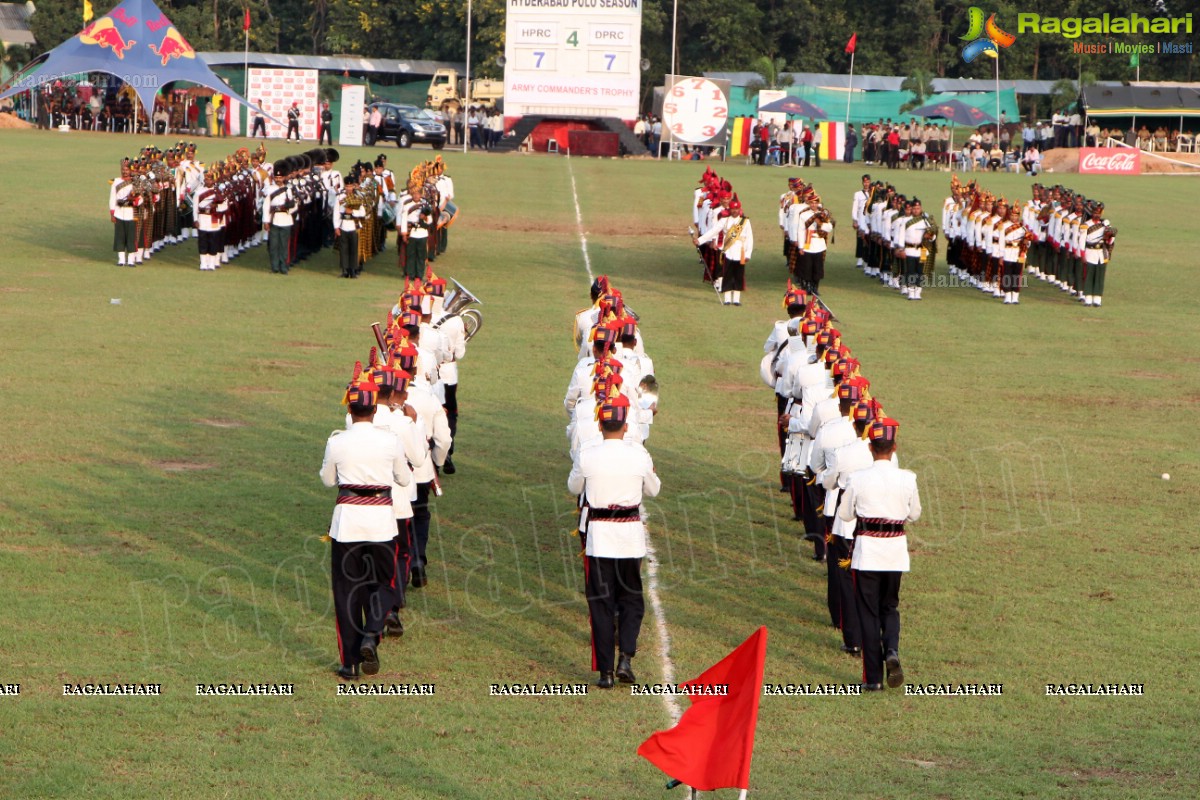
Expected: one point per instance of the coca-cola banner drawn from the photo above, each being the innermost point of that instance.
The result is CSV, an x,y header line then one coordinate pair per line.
x,y
1110,161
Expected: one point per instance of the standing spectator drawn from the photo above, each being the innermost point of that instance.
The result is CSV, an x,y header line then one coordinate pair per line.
x,y
639,129
797,141
293,115
816,141
1074,127
1028,135
656,137
851,142
193,117
221,112
473,126
260,122
1045,137
1005,137
807,139
325,134
374,122
893,140
497,127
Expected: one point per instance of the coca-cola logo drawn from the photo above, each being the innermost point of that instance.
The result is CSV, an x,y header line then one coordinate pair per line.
x,y
1108,160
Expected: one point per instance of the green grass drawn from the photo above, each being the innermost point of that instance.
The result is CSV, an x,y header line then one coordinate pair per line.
x,y
160,516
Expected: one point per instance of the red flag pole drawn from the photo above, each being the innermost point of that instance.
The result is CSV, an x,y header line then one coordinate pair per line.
x,y
245,67
852,47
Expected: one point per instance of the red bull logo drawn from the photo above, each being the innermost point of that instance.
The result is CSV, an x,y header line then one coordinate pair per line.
x,y
104,33
173,46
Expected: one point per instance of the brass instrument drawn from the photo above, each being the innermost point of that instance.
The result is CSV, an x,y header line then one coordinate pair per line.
x,y
456,306
1109,241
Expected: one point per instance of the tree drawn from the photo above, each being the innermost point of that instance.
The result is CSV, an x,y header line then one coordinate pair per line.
x,y
772,75
920,84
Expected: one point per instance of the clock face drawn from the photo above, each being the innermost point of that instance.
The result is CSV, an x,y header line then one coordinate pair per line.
x,y
695,111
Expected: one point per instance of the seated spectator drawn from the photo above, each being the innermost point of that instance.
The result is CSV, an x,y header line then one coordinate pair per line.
x,y
995,159
978,157
1032,162
917,155
774,154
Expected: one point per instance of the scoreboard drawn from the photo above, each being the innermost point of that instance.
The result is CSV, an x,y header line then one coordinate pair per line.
x,y
573,57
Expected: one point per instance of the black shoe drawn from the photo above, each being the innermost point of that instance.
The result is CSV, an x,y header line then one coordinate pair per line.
x,y
871,687
895,674
851,651
625,669
347,673
392,626
606,681
370,656
418,577
448,467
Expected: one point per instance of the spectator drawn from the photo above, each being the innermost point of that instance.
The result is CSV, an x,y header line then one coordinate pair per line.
x,y
260,122
1074,128
916,155
816,142
851,141
1032,163
807,140
656,136
374,121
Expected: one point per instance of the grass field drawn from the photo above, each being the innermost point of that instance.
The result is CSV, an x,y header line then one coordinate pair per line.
x,y
160,516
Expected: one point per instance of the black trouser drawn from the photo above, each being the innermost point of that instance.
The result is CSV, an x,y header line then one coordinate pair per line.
x,y
260,124
348,253
912,271
614,591
813,515
878,598
293,127
451,406
326,135
842,585
403,549
420,523
362,575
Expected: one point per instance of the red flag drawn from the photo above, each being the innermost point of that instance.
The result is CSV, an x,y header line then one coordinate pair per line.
x,y
711,745
246,20
850,45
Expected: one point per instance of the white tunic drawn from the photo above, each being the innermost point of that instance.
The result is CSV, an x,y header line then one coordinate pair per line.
x,y
615,473
882,491
362,455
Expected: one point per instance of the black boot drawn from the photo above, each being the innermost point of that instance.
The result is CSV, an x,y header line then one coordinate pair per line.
x,y
625,669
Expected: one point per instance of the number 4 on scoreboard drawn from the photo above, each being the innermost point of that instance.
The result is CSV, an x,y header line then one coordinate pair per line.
x,y
573,39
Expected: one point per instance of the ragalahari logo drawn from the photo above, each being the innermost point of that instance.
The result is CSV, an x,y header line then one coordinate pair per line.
x,y
173,46
104,33
984,38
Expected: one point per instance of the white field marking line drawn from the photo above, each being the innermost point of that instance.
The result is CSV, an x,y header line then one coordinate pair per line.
x,y
660,625
660,619
587,261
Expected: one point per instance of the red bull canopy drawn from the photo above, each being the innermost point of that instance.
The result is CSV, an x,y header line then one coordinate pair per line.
x,y
136,43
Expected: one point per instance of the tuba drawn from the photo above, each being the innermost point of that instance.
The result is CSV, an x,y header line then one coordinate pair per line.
x,y
456,306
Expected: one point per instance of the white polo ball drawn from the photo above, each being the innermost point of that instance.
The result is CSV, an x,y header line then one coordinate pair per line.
x,y
1166,476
